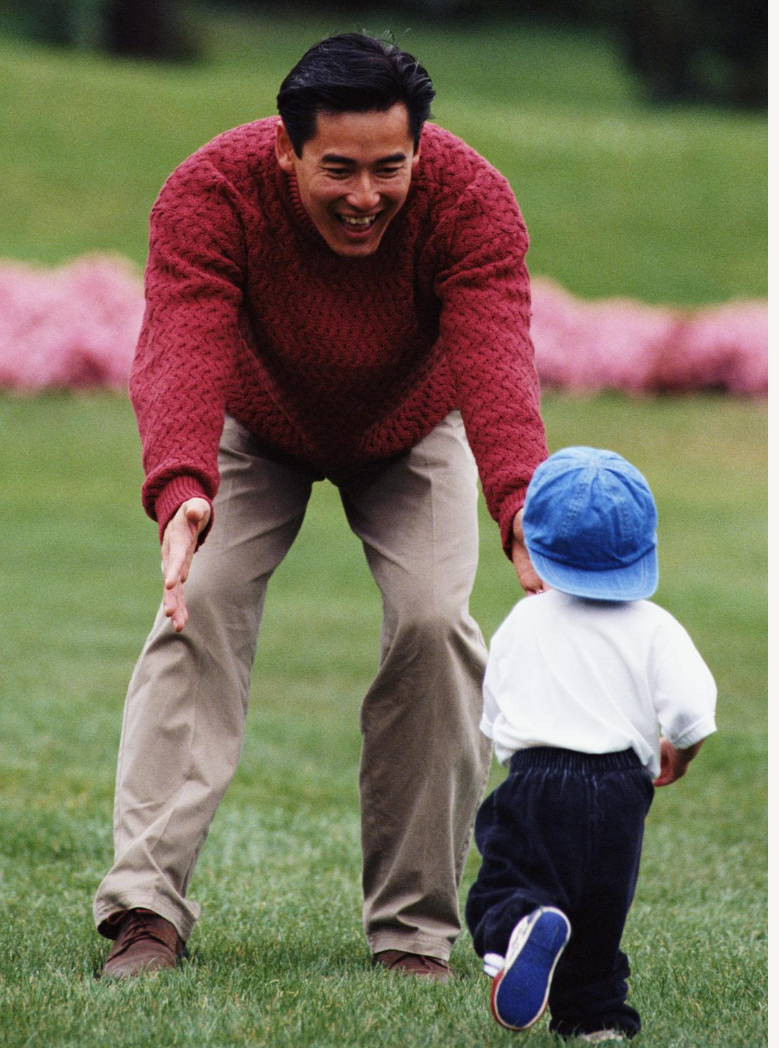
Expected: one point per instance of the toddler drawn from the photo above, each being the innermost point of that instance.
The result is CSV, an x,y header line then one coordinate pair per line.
x,y
577,681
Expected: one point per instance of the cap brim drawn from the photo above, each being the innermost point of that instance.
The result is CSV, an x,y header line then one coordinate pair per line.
x,y
638,581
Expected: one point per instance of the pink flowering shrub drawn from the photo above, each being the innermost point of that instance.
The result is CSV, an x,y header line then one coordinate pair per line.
x,y
626,345
589,346
71,327
722,347
76,327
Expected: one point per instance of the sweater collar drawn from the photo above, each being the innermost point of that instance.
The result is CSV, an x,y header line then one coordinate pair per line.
x,y
291,195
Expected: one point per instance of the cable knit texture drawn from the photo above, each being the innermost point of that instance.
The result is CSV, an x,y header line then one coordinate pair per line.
x,y
332,361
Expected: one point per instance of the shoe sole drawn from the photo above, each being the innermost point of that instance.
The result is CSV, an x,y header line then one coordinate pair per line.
x,y
521,991
151,967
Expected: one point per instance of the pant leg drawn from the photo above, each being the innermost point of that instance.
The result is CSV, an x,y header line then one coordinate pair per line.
x,y
186,705
518,872
590,988
565,829
424,761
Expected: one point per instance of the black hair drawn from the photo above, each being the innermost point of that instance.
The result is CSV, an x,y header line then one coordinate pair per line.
x,y
353,73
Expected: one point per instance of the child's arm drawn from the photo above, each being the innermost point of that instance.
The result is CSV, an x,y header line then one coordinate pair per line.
x,y
673,762
685,697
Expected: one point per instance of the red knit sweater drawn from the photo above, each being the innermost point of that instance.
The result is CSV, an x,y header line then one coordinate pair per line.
x,y
333,361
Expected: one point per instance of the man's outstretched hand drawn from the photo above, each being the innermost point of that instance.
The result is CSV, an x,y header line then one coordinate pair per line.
x,y
529,579
178,548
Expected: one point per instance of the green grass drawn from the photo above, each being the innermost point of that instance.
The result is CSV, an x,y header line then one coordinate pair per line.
x,y
662,204
278,958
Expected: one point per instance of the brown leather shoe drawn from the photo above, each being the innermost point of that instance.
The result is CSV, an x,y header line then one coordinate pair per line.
x,y
145,942
414,964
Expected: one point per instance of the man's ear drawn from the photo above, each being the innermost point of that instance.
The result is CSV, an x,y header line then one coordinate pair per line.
x,y
285,152
415,157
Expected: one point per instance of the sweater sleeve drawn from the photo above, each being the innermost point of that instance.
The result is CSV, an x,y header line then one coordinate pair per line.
x,y
485,327
188,340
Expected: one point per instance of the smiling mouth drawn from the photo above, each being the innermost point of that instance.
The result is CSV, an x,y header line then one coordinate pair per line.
x,y
357,223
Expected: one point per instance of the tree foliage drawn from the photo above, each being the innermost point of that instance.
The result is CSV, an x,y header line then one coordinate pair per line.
x,y
154,29
679,50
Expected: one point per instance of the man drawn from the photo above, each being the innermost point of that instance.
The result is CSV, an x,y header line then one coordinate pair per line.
x,y
330,295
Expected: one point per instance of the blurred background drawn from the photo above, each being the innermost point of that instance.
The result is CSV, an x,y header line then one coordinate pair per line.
x,y
633,133
708,50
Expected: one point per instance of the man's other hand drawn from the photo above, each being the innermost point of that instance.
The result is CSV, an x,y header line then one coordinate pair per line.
x,y
529,579
178,548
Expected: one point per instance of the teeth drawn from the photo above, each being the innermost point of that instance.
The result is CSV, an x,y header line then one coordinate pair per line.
x,y
358,221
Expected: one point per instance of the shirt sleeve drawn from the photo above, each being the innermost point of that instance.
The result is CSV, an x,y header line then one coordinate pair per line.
x,y
490,708
684,689
495,673
188,340
485,327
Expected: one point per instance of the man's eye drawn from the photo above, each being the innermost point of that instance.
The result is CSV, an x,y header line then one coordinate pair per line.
x,y
337,172
388,172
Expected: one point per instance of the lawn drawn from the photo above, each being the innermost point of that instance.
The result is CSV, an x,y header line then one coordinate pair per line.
x,y
279,958
663,205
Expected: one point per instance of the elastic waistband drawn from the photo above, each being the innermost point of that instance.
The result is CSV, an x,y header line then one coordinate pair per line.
x,y
572,760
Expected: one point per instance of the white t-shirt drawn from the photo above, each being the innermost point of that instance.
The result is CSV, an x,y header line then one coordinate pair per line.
x,y
596,677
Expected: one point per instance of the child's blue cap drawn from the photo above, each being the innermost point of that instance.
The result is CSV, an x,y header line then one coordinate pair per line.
x,y
590,526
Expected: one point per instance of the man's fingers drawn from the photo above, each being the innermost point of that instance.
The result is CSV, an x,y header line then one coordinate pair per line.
x,y
171,599
174,607
529,579
178,548
182,540
181,549
174,567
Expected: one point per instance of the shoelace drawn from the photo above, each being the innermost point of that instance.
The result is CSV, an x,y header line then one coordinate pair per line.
x,y
136,927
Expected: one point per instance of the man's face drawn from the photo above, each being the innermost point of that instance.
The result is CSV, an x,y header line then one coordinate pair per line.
x,y
354,175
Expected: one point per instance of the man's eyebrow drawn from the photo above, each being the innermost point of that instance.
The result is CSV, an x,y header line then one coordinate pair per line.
x,y
393,158
335,158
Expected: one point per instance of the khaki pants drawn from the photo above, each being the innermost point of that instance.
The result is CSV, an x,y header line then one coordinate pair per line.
x,y
424,762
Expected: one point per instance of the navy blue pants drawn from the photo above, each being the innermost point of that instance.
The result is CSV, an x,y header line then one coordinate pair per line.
x,y
565,829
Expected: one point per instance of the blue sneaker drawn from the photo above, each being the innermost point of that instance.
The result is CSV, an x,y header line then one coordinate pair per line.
x,y
521,990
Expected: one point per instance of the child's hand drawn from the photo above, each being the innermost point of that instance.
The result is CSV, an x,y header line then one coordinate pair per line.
x,y
673,762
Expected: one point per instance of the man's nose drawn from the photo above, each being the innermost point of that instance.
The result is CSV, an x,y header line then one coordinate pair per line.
x,y
363,193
